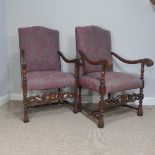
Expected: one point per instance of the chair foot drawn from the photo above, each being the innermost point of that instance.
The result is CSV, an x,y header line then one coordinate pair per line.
x,y
80,110
26,120
75,111
75,108
79,107
140,113
101,111
100,124
26,116
140,110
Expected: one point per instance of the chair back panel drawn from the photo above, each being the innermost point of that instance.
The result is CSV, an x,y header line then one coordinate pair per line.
x,y
40,47
95,43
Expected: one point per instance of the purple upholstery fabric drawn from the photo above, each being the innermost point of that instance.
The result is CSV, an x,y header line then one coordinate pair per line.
x,y
95,43
114,81
39,80
41,47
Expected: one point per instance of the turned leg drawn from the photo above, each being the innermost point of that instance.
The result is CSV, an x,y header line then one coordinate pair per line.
x,y
140,106
24,87
75,106
76,101
26,116
109,95
59,90
76,91
140,109
101,102
80,104
101,111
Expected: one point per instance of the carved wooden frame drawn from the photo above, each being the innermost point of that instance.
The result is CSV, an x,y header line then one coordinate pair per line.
x,y
153,1
120,100
48,98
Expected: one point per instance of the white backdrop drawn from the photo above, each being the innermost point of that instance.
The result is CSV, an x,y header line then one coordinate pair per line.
x,y
131,22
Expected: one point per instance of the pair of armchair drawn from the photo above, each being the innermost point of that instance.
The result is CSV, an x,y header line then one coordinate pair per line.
x,y
41,69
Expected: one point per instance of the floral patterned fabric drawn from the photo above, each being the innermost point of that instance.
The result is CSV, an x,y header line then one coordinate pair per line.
x,y
95,43
114,81
41,47
39,80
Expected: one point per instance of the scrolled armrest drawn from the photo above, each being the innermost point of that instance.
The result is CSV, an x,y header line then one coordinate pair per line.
x,y
67,60
148,62
100,62
145,61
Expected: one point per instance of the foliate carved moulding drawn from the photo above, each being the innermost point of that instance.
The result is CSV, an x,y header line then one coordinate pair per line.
x,y
50,97
118,101
121,100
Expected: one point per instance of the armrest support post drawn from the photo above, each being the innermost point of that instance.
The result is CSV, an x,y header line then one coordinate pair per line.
x,y
102,88
23,75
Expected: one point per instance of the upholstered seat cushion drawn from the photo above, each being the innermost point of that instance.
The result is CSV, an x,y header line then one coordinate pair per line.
x,y
39,80
114,81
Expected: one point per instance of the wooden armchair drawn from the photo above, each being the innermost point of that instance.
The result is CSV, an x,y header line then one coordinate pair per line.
x,y
41,68
94,51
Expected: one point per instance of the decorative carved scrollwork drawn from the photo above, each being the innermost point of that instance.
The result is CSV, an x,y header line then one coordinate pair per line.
x,y
120,100
49,97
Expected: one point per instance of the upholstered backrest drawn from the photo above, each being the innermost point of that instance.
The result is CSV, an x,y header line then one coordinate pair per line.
x,y
95,43
40,47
